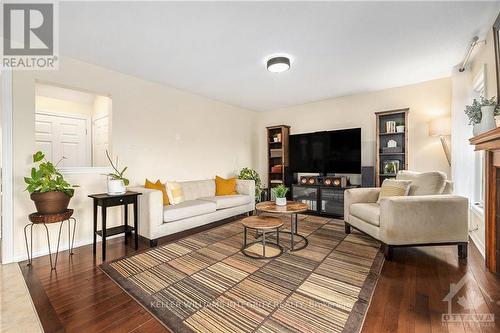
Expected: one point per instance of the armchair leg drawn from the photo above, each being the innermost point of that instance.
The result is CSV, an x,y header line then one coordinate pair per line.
x,y
462,250
347,228
153,242
388,250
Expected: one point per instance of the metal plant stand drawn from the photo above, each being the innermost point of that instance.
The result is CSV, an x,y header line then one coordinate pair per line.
x,y
44,219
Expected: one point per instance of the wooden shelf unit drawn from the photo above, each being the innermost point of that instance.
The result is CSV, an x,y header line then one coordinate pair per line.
x,y
277,154
400,115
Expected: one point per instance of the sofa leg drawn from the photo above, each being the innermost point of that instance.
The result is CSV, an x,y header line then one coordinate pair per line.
x,y
347,227
462,250
388,250
250,213
153,242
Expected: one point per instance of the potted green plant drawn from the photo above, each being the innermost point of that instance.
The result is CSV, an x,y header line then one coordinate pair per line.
x,y
482,114
47,187
116,181
400,127
280,192
250,174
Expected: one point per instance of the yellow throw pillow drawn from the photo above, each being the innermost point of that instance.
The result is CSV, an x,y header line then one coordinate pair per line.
x,y
225,186
174,192
158,186
394,188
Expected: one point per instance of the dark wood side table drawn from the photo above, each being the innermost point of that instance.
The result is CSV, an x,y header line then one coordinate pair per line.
x,y
104,201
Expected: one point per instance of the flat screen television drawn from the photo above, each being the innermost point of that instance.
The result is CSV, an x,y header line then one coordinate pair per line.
x,y
325,152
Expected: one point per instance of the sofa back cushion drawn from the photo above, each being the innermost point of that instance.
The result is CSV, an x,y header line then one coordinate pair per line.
x,y
424,183
198,188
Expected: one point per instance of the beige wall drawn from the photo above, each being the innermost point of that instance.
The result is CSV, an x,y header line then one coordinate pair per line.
x,y
54,105
158,132
426,100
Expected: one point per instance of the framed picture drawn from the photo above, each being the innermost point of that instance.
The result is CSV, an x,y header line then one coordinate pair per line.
x,y
391,167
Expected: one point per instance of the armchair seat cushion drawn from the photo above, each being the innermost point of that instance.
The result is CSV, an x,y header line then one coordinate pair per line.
x,y
368,212
187,209
228,201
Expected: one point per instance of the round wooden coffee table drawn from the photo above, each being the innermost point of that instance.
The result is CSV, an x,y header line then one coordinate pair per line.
x,y
293,208
263,225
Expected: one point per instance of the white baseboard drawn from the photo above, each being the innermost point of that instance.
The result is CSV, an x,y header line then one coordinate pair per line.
x,y
62,247
480,246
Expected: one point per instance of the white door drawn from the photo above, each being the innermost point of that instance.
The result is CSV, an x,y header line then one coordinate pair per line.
x,y
63,135
100,139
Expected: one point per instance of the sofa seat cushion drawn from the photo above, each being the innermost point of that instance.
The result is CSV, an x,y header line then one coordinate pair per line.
x,y
187,209
368,212
228,201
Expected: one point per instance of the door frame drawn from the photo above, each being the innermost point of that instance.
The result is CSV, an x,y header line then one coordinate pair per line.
x,y
7,172
88,124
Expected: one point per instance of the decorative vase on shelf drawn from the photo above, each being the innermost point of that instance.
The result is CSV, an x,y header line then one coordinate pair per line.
x,y
280,201
487,118
400,128
116,186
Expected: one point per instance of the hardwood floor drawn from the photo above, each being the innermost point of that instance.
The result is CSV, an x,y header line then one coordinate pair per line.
x,y
409,296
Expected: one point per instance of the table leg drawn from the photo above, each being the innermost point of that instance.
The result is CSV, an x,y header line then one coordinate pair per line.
x,y
292,231
95,227
244,237
103,213
136,224
278,236
29,252
264,244
126,223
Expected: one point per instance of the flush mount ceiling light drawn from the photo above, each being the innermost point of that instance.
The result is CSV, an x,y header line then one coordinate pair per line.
x,y
278,64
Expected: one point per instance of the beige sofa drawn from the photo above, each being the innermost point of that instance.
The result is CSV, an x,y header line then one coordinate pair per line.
x,y
201,206
429,215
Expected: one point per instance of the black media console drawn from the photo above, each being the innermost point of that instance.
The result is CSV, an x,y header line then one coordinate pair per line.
x,y
321,199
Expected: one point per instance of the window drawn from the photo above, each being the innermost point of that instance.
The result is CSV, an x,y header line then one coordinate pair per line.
x,y
479,90
72,127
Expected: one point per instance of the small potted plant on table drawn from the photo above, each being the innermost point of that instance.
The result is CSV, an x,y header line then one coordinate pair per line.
x,y
48,189
116,181
280,192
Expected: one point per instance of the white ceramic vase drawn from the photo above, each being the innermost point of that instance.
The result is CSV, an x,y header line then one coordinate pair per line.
x,y
280,201
487,118
116,187
400,129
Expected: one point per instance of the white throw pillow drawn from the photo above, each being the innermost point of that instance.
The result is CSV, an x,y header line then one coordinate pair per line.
x,y
174,193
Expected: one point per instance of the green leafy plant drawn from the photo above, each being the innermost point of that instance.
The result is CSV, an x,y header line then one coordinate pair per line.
x,y
400,123
473,111
47,178
117,175
280,191
250,174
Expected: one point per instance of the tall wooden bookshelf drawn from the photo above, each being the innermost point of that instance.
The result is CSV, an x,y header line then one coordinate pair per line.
x,y
386,134
277,155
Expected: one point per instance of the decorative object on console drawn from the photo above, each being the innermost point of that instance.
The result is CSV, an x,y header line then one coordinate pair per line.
x,y
116,181
49,191
481,114
441,127
280,192
391,146
250,174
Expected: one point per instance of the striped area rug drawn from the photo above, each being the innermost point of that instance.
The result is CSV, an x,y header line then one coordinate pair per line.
x,y
203,283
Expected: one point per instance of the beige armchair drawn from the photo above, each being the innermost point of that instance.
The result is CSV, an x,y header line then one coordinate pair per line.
x,y
429,215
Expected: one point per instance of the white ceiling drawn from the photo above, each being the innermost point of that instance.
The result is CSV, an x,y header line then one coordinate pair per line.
x,y
218,49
